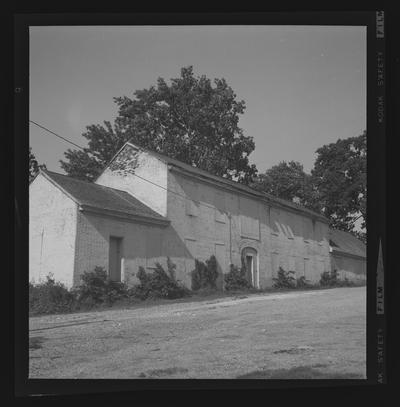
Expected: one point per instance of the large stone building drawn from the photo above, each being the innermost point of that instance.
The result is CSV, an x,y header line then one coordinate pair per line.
x,y
146,206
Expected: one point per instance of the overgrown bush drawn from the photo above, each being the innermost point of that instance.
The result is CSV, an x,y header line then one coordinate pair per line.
x,y
236,278
205,275
285,279
302,282
97,288
330,279
159,283
50,298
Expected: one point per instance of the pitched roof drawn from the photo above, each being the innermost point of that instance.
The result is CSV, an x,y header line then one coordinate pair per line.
x,y
233,184
345,242
101,198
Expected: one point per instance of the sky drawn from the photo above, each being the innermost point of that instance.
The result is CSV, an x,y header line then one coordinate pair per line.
x,y
304,86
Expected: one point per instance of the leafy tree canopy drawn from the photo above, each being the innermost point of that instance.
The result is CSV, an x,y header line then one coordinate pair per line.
x,y
288,180
336,187
33,165
340,175
191,119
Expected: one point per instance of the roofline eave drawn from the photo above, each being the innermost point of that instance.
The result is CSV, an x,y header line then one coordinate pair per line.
x,y
254,194
346,254
123,215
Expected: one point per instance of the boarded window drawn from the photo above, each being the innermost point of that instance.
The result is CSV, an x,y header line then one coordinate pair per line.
x,y
192,204
287,231
220,207
249,218
274,222
115,256
307,229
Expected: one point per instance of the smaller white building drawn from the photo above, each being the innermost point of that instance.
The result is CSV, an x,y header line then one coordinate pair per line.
x,y
75,226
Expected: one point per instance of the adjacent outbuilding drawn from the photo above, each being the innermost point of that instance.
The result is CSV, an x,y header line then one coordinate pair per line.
x,y
348,256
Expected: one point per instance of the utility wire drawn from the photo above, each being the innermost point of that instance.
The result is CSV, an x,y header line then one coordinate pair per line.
x,y
136,175
144,179
52,132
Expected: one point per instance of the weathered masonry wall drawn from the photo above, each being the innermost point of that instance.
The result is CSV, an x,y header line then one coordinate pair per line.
x,y
136,173
225,222
352,268
52,232
142,245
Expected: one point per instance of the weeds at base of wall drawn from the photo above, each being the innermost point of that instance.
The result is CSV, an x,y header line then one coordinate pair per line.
x,y
97,291
158,284
285,279
50,297
236,279
204,276
331,279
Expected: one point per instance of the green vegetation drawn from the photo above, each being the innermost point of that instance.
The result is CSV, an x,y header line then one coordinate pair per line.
x,y
237,279
205,275
97,290
285,279
50,298
330,279
159,284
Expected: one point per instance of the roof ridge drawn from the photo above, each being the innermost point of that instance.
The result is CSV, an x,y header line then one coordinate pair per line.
x,y
236,184
112,199
83,181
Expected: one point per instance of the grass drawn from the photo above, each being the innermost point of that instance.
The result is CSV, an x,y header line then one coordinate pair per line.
x,y
196,296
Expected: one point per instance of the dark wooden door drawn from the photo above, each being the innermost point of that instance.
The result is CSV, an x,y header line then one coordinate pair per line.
x,y
115,256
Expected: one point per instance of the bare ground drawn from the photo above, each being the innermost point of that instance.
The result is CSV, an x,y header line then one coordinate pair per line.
x,y
307,334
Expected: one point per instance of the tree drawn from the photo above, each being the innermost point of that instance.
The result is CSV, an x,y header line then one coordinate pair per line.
x,y
287,180
190,119
340,175
103,142
33,165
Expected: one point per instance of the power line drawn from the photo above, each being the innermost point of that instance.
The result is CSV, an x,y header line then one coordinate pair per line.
x,y
52,132
144,179
136,175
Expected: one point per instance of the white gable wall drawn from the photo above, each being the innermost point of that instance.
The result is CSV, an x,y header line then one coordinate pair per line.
x,y
137,172
52,232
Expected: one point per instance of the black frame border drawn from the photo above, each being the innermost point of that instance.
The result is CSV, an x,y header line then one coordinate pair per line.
x,y
376,200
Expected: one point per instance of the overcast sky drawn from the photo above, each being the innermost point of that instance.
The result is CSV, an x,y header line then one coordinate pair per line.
x,y
304,86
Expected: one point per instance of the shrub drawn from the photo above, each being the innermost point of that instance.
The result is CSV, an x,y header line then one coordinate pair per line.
x,y
236,279
159,283
50,298
285,279
302,282
205,275
329,279
96,288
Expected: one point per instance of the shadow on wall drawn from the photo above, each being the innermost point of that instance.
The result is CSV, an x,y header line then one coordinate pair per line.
x,y
142,245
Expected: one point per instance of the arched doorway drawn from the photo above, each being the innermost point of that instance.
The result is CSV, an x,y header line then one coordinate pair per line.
x,y
250,260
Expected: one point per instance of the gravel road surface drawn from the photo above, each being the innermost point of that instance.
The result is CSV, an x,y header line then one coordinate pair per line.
x,y
304,334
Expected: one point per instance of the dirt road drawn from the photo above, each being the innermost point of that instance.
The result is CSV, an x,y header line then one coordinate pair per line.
x,y
308,334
